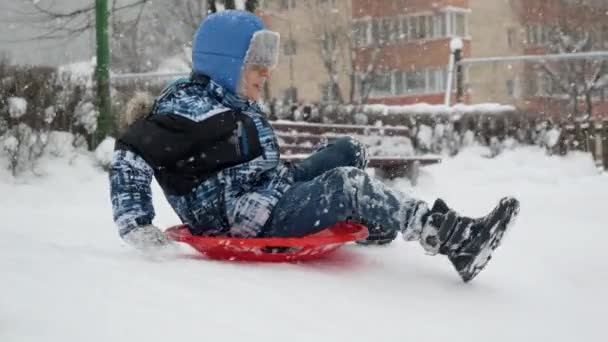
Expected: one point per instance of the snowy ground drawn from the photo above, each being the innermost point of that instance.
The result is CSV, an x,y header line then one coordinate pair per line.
x,y
67,277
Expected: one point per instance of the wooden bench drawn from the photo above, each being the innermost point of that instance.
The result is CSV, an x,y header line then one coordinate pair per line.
x,y
298,139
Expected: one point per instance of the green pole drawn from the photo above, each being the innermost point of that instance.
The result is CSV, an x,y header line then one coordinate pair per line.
x,y
102,72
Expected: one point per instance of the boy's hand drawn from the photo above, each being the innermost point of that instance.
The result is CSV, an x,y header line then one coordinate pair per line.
x,y
146,237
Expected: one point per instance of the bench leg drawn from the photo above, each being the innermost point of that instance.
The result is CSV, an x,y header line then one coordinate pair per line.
x,y
391,172
413,172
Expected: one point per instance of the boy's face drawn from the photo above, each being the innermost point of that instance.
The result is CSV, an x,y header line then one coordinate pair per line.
x,y
252,81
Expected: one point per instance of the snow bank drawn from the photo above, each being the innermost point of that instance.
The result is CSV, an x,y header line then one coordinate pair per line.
x,y
17,107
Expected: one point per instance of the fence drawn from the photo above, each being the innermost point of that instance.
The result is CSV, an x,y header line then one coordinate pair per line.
x,y
587,136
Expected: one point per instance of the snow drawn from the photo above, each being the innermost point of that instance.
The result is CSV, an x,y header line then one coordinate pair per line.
x,y
61,144
9,143
17,106
86,115
174,65
67,277
79,72
425,108
49,114
552,137
84,69
425,136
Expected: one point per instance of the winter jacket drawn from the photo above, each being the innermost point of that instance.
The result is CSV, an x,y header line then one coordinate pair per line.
x,y
214,154
235,200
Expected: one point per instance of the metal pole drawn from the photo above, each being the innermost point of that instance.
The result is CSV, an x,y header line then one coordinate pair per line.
x,y
102,72
459,76
448,85
536,58
148,75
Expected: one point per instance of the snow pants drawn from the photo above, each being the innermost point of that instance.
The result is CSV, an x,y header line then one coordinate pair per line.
x,y
332,186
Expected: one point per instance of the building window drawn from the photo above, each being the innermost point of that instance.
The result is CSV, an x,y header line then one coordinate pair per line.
x,y
456,23
328,92
399,83
403,83
360,33
327,2
382,85
539,35
415,81
387,30
511,37
290,95
287,4
405,29
328,41
510,85
460,25
413,21
382,30
289,48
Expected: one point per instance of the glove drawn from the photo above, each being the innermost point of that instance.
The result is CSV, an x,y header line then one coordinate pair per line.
x,y
146,237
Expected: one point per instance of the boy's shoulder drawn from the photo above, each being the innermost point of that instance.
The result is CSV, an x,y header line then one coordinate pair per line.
x,y
188,99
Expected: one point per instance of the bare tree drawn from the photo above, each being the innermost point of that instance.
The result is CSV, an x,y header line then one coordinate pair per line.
x,y
580,79
164,30
144,33
576,29
342,54
68,24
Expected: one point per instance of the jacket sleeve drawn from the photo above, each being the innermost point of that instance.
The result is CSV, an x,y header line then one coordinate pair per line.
x,y
130,179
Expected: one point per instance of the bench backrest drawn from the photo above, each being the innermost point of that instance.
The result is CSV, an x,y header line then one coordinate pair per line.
x,y
297,138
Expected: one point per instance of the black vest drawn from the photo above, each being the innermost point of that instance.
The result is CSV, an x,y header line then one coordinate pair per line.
x,y
184,153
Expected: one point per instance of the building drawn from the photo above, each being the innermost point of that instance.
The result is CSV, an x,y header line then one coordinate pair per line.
x,y
313,63
397,51
555,26
496,30
406,43
393,52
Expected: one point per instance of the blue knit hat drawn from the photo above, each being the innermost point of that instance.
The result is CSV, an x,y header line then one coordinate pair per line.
x,y
221,43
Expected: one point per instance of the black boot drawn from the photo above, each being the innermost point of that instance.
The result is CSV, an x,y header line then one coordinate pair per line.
x,y
467,242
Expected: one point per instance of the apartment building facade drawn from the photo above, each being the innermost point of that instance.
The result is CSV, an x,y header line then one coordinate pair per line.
x,y
397,51
555,26
311,57
392,52
406,43
496,30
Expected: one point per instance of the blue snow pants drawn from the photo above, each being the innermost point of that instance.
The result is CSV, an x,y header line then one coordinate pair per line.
x,y
332,186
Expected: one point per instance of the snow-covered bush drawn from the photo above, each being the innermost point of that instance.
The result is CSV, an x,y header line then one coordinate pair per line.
x,y
23,146
36,101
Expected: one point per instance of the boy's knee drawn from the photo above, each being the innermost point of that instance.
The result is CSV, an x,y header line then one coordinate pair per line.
x,y
354,149
344,178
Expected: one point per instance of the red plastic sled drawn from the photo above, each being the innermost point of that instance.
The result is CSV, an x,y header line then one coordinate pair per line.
x,y
309,247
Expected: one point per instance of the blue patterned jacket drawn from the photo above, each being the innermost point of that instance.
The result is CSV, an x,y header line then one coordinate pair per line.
x,y
235,201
